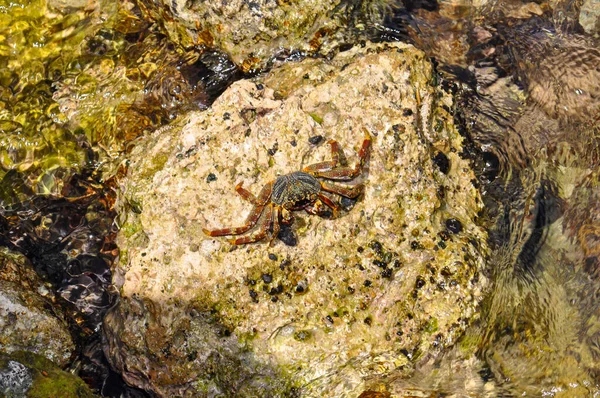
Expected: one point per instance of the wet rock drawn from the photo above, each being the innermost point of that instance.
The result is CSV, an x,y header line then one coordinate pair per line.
x,y
255,32
361,294
589,17
28,320
25,374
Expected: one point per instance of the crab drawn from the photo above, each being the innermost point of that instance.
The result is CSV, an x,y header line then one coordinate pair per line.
x,y
299,190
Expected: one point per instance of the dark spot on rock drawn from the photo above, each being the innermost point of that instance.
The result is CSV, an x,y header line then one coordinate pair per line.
x,y
254,295
272,257
407,112
260,86
486,374
251,282
399,333
384,88
224,332
420,282
442,162
491,166
211,177
368,321
329,318
446,272
360,267
590,265
287,235
367,283
360,249
379,263
397,264
386,273
191,356
376,246
405,352
226,116
299,289
348,203
350,290
315,139
444,235
442,244
267,278
284,264
306,76
274,299
453,225
293,143
273,149
415,245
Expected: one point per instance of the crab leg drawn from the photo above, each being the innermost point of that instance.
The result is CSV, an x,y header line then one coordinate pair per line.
x,y
275,225
331,204
347,191
263,229
336,154
263,196
316,209
259,205
331,170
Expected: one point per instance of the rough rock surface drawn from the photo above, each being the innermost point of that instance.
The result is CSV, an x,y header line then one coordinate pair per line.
x,y
28,320
25,374
392,281
589,17
254,32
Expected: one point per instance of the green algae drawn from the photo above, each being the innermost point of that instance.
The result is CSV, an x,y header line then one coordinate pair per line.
x,y
49,381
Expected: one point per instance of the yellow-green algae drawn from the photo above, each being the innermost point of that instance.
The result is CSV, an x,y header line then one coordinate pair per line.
x,y
48,380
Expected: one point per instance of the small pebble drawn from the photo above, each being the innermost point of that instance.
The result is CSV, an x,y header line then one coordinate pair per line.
x,y
453,225
315,139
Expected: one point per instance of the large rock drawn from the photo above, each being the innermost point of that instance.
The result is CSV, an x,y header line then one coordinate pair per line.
x,y
392,281
28,319
254,32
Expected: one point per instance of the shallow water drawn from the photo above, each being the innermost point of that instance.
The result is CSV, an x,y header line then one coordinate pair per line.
x,y
76,93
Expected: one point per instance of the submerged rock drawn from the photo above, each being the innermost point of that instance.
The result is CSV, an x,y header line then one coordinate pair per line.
x,y
375,291
255,32
28,320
